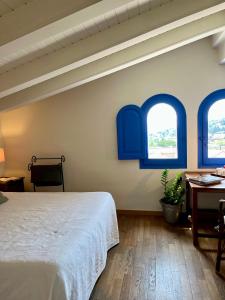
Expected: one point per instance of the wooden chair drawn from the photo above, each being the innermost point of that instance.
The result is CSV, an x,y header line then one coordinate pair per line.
x,y
221,235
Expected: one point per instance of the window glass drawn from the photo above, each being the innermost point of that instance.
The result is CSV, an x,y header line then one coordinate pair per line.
x,y
162,132
216,130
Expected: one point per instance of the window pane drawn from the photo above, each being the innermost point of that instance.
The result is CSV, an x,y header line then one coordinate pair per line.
x,y
216,130
162,132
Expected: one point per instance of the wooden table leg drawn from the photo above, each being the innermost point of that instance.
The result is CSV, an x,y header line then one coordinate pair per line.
x,y
195,217
188,200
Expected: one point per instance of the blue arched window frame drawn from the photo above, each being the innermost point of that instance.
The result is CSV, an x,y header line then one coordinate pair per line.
x,y
203,160
181,161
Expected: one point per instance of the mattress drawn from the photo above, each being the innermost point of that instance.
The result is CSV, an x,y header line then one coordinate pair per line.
x,y
53,246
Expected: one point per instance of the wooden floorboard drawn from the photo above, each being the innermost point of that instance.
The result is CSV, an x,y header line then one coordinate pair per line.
x,y
157,261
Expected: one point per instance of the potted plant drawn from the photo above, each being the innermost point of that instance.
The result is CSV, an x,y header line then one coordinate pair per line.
x,y
173,196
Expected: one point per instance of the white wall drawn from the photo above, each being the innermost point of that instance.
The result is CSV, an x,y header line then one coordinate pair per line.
x,y
81,124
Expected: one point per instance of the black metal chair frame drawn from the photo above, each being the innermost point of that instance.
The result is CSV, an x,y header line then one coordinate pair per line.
x,y
221,236
34,159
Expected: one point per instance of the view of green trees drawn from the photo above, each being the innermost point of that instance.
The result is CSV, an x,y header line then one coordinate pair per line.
x,y
216,137
166,138
216,126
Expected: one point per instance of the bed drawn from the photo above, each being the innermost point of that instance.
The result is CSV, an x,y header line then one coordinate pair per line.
x,y
53,246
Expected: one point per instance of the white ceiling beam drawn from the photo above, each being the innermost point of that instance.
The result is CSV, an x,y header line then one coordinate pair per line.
x,y
218,42
34,15
218,38
221,52
150,48
40,20
160,20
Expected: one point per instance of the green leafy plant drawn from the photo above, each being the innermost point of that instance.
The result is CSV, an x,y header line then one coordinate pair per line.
x,y
173,188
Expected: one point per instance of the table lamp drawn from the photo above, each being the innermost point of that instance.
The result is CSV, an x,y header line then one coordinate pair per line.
x,y
2,155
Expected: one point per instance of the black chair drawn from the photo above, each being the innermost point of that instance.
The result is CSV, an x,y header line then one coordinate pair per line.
x,y
221,235
46,175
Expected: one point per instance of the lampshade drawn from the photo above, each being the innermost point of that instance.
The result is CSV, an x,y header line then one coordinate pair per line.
x,y
2,155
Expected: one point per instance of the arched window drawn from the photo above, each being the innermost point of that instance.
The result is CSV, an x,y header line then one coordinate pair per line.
x,y
165,120
162,132
211,130
154,133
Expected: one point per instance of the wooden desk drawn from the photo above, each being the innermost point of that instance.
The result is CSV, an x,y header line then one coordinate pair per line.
x,y
193,190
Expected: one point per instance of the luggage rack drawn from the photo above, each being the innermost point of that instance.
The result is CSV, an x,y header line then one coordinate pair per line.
x,y
46,174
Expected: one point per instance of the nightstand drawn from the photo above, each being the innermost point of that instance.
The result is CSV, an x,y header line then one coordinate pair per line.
x,y
12,184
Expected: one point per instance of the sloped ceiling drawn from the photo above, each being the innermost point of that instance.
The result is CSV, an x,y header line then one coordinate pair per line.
x,y
49,46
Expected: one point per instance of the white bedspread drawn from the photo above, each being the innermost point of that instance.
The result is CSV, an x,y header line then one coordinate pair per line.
x,y
53,246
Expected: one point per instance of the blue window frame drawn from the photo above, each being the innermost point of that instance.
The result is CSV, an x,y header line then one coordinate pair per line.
x,y
207,139
181,133
133,136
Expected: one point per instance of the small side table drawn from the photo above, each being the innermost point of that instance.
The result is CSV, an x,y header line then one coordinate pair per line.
x,y
12,184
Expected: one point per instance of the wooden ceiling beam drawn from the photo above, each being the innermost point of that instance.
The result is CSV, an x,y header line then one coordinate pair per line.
x,y
144,27
128,57
218,38
221,52
42,19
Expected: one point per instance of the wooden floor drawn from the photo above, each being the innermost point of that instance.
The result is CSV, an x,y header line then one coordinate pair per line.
x,y
157,261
